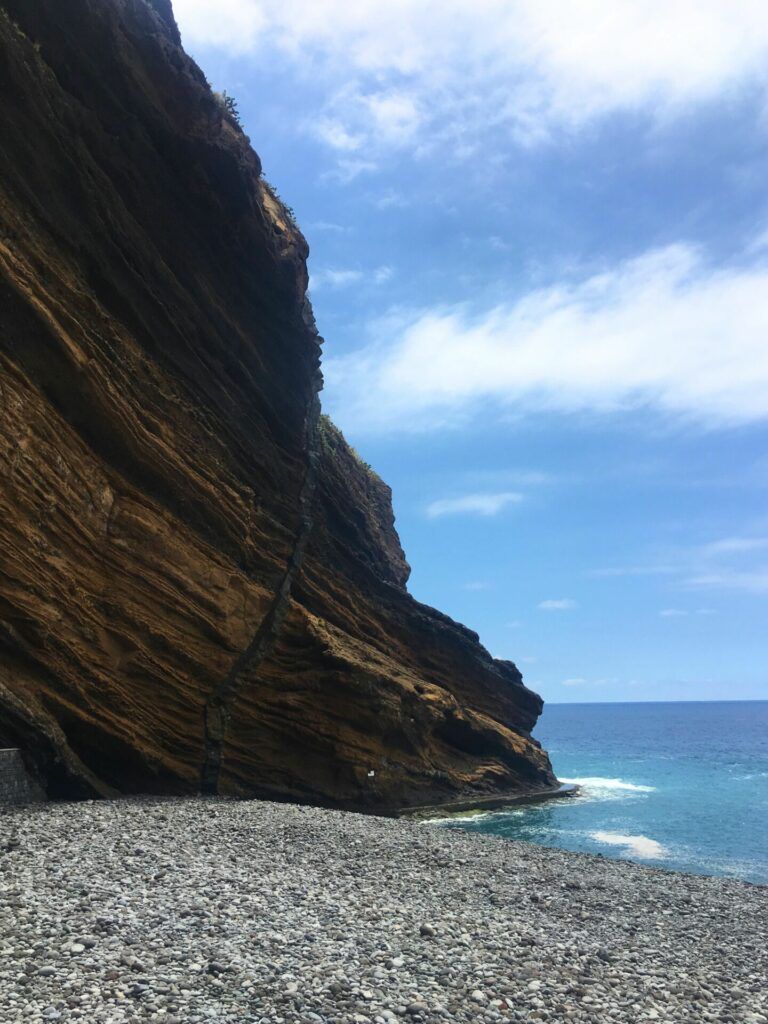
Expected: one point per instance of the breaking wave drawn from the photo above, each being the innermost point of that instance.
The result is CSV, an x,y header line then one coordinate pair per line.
x,y
595,782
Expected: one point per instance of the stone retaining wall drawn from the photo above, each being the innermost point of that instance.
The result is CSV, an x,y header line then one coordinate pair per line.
x,y
16,787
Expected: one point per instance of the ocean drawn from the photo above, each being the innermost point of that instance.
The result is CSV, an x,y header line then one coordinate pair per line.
x,y
674,785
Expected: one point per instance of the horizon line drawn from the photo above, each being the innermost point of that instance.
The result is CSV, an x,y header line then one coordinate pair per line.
x,y
709,700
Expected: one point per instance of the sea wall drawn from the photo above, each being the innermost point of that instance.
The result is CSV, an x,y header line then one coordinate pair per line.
x,y
16,786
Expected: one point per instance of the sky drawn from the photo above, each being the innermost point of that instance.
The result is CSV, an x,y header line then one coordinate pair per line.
x,y
539,258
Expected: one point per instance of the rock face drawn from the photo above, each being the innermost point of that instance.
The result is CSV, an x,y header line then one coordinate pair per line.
x,y
202,586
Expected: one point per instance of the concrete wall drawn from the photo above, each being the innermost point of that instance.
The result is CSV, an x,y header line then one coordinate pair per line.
x,y
16,787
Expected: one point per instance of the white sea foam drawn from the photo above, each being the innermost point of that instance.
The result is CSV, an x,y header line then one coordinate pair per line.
x,y
454,818
640,846
595,782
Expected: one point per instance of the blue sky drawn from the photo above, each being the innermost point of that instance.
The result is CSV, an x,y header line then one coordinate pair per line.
x,y
539,240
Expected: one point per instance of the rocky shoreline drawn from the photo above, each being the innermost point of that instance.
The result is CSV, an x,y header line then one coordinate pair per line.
x,y
191,910
495,802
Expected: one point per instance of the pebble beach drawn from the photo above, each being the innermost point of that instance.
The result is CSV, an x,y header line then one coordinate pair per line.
x,y
193,910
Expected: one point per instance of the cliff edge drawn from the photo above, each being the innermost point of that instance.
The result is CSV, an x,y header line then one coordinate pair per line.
x,y
202,586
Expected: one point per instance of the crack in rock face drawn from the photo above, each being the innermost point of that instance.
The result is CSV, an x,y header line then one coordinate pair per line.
x,y
217,707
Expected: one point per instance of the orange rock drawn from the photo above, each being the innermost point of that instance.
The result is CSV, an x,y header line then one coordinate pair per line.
x,y
201,585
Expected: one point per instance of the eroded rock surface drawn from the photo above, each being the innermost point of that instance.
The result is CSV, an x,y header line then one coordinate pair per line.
x,y
201,585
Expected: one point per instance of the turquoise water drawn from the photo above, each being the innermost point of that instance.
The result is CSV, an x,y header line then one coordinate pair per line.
x,y
676,785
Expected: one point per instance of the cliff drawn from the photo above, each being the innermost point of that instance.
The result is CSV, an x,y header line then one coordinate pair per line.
x,y
202,585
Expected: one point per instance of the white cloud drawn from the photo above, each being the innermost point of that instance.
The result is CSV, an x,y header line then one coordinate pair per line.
x,y
475,585
635,570
672,613
329,277
750,581
592,682
388,199
734,546
396,74
664,330
499,244
334,278
557,604
473,504
235,25
394,117
347,169
384,120
515,477
334,134
328,225
728,563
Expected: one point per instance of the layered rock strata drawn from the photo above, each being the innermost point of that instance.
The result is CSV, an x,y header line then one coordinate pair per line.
x,y
202,586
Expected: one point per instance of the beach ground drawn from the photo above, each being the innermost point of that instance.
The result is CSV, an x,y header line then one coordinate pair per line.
x,y
192,910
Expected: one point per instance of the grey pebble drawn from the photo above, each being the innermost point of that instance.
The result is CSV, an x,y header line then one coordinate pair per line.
x,y
187,911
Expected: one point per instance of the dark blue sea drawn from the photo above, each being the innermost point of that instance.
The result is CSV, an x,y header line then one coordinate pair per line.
x,y
675,785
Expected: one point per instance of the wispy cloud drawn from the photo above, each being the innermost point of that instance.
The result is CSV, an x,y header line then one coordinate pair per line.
x,y
404,73
557,604
341,278
635,570
753,582
497,243
515,477
334,134
328,225
647,333
589,683
672,613
473,504
734,546
727,563
388,199
334,278
347,169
